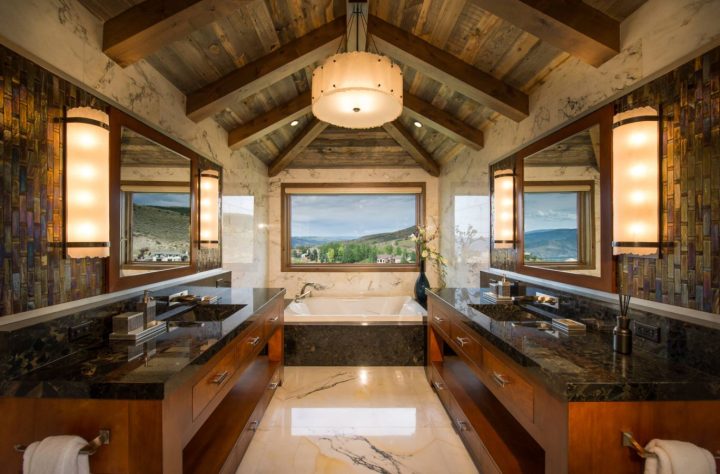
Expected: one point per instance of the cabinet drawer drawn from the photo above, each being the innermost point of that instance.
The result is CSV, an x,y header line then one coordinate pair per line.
x,y
204,391
439,386
467,344
440,321
252,342
271,321
474,444
514,389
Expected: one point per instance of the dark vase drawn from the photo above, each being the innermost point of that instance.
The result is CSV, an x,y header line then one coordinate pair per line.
x,y
421,284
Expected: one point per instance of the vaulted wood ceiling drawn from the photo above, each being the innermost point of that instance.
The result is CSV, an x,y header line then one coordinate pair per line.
x,y
248,63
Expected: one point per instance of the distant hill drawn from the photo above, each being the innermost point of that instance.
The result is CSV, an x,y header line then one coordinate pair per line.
x,y
372,239
552,244
161,229
310,240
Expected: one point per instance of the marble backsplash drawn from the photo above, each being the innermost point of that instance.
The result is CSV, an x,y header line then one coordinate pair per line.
x,y
680,342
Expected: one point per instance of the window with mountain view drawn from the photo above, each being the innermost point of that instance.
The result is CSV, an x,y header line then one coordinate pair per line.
x,y
352,228
160,227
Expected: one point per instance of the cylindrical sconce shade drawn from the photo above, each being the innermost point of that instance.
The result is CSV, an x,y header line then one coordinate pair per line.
x,y
636,189
209,208
504,217
87,183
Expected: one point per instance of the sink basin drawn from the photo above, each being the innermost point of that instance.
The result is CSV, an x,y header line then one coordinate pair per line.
x,y
208,312
504,312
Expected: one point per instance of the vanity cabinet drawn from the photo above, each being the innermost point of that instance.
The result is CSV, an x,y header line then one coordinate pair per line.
x,y
203,422
511,422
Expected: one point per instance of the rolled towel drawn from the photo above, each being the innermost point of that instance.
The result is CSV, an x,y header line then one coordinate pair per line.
x,y
678,457
56,455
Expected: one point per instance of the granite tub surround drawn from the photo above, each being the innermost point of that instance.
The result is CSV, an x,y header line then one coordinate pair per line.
x,y
355,420
583,367
101,372
368,344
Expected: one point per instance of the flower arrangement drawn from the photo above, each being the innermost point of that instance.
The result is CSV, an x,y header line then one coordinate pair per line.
x,y
424,240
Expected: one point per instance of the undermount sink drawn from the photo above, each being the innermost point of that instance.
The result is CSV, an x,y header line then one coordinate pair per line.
x,y
208,312
508,312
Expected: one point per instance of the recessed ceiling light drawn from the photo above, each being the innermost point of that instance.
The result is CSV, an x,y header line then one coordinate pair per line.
x,y
417,124
294,123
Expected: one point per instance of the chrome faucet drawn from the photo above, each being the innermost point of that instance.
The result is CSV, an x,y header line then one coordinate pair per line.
x,y
539,298
303,293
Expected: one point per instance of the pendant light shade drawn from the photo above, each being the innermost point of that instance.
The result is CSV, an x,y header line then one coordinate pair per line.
x,y
504,216
357,90
209,208
636,194
87,183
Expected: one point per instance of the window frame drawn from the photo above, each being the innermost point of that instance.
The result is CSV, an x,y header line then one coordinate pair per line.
x,y
285,225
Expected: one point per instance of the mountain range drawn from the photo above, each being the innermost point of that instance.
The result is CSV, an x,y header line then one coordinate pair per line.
x,y
371,239
555,245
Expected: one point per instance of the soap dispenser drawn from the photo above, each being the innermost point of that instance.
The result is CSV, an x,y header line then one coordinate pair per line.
x,y
504,288
147,306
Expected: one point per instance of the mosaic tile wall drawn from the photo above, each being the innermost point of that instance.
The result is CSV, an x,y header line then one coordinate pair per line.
x,y
688,273
34,272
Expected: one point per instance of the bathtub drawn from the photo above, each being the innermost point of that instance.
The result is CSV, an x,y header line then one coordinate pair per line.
x,y
364,309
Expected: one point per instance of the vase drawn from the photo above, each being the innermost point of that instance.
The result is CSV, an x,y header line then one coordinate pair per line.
x,y
421,284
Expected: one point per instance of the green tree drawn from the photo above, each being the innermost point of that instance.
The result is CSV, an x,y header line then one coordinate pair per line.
x,y
331,255
389,249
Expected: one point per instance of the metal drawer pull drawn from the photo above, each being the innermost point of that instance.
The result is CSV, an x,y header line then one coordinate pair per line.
x,y
461,425
462,341
500,379
220,378
253,425
438,319
254,341
273,386
272,320
438,386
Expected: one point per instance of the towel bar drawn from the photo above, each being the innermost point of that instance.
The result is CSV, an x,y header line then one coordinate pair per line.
x,y
89,449
629,442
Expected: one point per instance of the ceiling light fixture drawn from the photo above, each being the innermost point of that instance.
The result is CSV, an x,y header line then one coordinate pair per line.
x,y
357,89
417,124
294,123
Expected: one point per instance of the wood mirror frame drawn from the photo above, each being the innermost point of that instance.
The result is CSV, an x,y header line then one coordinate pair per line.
x,y
118,120
606,281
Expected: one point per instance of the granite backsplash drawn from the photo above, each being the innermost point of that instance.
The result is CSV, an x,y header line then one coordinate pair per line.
x,y
29,347
682,342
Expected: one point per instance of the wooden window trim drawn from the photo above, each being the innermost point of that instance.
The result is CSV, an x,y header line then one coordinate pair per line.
x,y
285,260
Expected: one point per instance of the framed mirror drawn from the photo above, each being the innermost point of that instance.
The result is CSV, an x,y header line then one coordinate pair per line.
x,y
564,204
153,186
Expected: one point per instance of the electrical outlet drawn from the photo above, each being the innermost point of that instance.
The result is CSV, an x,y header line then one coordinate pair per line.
x,y
80,330
646,331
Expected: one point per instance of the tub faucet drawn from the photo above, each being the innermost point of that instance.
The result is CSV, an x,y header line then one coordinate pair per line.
x,y
303,293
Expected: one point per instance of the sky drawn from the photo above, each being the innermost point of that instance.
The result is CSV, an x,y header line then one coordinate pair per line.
x,y
351,215
162,199
550,211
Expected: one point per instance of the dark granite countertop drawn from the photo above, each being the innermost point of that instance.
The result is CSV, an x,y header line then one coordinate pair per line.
x,y
583,367
103,371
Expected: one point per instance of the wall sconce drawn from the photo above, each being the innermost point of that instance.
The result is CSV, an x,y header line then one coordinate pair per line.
x,y
636,188
87,183
209,208
504,218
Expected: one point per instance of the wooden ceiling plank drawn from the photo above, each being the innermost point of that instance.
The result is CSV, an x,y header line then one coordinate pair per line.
x,y
310,133
443,122
265,71
570,25
148,26
269,122
448,69
413,147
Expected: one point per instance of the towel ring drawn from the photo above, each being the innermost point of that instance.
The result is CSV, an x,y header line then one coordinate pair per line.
x,y
629,442
91,448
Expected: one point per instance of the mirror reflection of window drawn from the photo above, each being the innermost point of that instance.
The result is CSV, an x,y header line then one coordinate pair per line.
x,y
160,227
472,230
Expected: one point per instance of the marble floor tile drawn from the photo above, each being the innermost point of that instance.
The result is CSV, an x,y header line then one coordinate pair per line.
x,y
355,420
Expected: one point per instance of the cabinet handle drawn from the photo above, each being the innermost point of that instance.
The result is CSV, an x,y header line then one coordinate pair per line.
x,y
272,320
438,386
220,378
461,425
462,340
254,341
253,425
438,319
273,386
500,379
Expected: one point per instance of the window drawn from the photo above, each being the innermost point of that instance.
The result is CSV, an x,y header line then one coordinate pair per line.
x,y
344,227
558,221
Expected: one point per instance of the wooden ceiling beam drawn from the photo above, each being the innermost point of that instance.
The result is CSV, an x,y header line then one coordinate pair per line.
x,y
267,123
263,72
443,122
148,26
570,25
299,143
448,69
413,147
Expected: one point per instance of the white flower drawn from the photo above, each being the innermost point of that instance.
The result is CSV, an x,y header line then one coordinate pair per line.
x,y
424,254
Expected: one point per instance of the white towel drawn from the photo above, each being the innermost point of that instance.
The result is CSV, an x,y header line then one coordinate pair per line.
x,y
678,457
56,455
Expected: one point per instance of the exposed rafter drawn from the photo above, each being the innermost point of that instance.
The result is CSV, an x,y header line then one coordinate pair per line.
x,y
570,25
263,72
415,149
148,26
448,69
443,122
310,133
